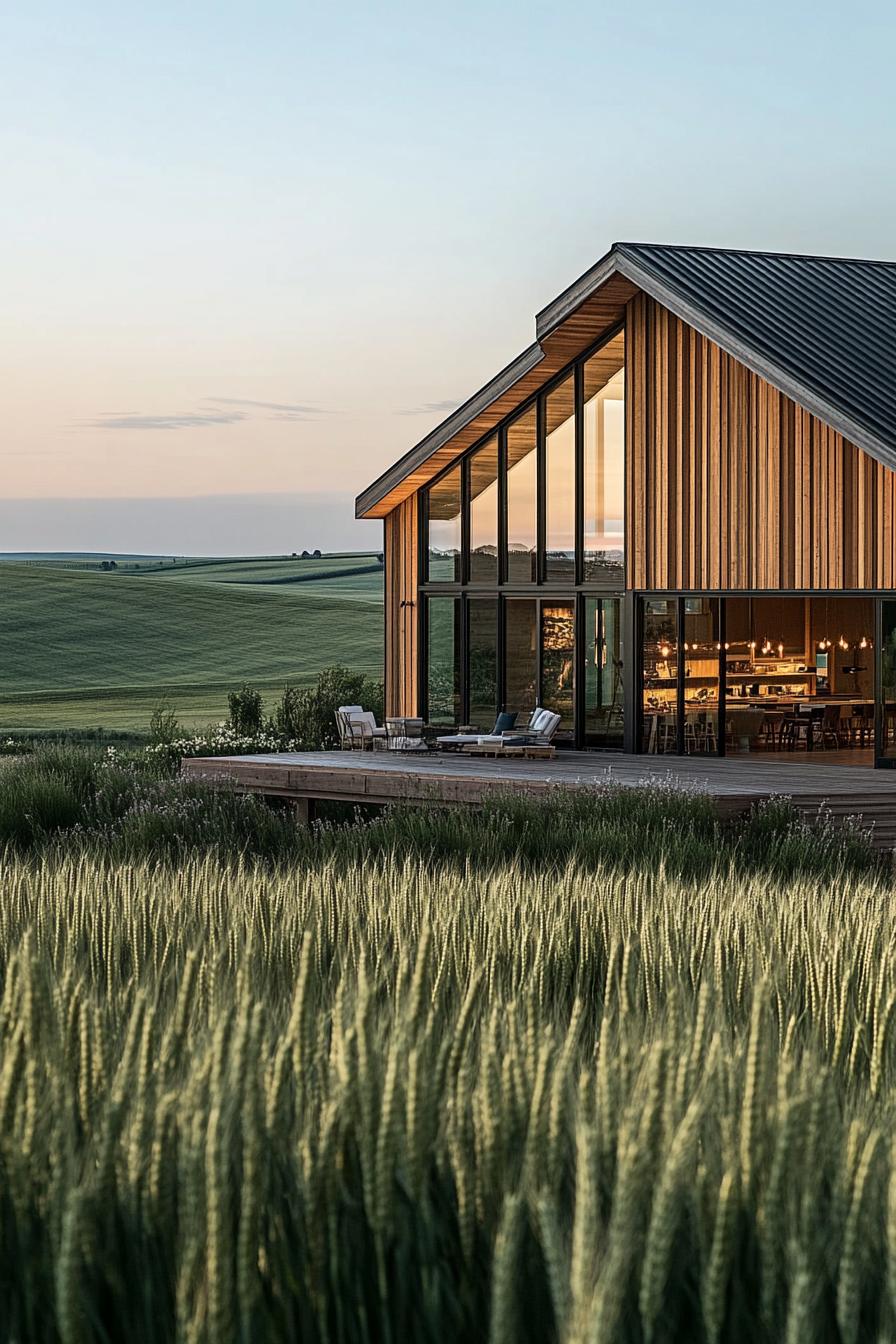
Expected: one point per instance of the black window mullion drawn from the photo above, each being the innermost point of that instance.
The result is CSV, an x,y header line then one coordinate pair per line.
x,y
579,531
541,491
502,504
464,575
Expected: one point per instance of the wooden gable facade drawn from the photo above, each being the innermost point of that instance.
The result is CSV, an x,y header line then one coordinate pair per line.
x,y
731,486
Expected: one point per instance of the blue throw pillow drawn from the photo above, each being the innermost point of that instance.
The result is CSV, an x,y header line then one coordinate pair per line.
x,y
504,722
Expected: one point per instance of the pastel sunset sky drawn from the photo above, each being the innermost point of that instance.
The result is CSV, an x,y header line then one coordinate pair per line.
x,y
258,251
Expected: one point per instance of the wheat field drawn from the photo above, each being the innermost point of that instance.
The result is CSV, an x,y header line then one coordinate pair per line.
x,y
400,1102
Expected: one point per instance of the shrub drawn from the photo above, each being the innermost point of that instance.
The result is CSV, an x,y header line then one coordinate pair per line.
x,y
308,715
163,725
245,710
289,713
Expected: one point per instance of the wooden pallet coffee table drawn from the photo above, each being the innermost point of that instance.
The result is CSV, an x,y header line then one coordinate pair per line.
x,y
534,752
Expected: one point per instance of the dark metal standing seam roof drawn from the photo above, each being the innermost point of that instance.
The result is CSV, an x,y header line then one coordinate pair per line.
x,y
820,329
825,326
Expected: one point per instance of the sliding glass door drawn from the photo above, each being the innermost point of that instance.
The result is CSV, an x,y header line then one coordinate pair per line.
x,y
520,656
603,717
444,668
482,656
558,657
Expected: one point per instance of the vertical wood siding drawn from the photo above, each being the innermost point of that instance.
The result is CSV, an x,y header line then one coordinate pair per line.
x,y
732,485
401,608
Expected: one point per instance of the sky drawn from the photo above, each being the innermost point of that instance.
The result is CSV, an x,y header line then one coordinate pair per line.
x,y
250,254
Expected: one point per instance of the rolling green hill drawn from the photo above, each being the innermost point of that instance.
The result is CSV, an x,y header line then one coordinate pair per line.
x,y
86,648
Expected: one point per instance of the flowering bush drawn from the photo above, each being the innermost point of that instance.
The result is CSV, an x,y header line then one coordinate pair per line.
x,y
221,739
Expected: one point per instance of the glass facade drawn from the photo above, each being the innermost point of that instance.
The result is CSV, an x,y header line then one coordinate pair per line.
x,y
524,535
768,673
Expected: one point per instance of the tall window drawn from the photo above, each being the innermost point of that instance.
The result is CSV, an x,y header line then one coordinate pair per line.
x,y
483,655
659,727
484,514
702,656
445,529
558,650
603,672
522,493
887,745
604,436
443,662
522,522
560,484
521,644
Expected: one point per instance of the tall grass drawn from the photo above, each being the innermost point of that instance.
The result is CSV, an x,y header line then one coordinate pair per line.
x,y
129,808
402,1101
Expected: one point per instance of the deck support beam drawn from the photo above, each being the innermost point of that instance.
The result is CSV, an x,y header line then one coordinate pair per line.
x,y
304,811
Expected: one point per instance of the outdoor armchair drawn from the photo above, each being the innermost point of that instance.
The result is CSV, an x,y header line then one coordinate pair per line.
x,y
357,727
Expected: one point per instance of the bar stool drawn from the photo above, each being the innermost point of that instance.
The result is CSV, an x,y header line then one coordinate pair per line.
x,y
668,729
772,726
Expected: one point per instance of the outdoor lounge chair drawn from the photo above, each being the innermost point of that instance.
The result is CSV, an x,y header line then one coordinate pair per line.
x,y
503,723
358,728
538,732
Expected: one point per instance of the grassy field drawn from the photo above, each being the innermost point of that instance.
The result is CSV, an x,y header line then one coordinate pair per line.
x,y
596,1069
84,648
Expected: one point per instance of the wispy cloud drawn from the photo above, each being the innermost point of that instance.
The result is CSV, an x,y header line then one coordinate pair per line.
x,y
286,407
214,411
278,410
183,420
432,408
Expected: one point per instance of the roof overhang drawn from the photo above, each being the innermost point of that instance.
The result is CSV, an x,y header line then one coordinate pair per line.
x,y
594,304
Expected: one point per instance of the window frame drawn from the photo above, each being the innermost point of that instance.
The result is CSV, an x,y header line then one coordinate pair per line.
x,y
575,369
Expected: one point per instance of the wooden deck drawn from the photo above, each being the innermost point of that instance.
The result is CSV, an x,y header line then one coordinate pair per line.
x,y
734,783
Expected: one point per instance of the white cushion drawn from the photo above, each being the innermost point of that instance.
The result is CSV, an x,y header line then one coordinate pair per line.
x,y
351,709
553,724
485,738
539,720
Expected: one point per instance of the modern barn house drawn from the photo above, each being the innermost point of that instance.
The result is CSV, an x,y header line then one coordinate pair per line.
x,y
671,520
